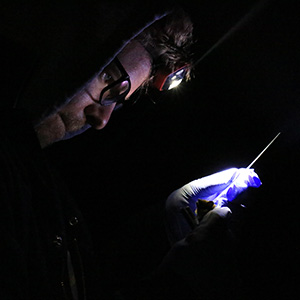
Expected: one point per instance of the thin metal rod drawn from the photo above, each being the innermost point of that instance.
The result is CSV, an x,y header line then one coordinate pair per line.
x,y
261,153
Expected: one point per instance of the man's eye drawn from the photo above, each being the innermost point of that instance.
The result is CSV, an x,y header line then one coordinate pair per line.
x,y
106,77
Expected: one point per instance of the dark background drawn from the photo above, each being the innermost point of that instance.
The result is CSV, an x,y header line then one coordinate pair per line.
x,y
243,93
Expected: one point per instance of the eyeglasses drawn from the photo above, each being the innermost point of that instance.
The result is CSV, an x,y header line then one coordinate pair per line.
x,y
116,91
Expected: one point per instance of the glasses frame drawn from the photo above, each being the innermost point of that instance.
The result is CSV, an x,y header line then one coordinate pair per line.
x,y
124,77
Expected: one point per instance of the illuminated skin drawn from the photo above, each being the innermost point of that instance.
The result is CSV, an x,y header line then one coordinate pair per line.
x,y
82,110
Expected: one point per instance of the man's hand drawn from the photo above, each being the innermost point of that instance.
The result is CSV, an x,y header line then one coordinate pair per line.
x,y
240,181
216,190
203,207
222,186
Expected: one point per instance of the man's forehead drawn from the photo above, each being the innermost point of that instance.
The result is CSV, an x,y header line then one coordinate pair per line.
x,y
134,56
137,63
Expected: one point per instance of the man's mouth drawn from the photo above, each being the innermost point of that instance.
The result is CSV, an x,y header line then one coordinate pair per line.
x,y
71,134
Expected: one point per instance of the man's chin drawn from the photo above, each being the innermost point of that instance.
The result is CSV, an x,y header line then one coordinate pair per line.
x,y
70,135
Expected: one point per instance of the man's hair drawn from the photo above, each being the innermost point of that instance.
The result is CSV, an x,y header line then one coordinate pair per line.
x,y
169,42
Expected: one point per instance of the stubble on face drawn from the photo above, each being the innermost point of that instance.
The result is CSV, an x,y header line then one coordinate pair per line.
x,y
50,130
69,118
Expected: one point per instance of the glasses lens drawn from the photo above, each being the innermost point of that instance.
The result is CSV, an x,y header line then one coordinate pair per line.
x,y
117,90
116,93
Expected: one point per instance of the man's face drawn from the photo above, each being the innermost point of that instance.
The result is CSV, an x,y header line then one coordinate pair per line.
x,y
83,110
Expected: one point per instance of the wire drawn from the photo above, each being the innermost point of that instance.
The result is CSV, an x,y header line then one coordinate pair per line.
x,y
261,153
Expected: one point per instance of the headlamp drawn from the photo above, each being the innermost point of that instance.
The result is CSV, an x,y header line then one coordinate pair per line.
x,y
165,81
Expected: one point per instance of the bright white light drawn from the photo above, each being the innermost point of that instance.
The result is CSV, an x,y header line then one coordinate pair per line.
x,y
174,83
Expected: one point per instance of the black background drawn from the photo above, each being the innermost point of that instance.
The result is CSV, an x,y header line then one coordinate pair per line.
x,y
244,92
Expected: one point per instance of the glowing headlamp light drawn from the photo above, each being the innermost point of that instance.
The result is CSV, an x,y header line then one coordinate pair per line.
x,y
164,80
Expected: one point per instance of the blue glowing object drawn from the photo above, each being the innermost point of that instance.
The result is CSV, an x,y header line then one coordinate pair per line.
x,y
242,179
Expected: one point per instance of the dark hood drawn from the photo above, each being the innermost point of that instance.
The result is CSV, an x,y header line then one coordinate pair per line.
x,y
70,43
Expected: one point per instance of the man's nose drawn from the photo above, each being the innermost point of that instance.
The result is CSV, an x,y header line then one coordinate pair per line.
x,y
98,116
